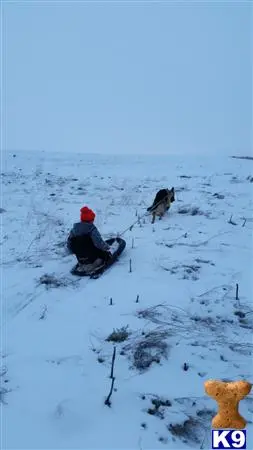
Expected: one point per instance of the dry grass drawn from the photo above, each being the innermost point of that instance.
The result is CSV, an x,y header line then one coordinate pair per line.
x,y
119,335
148,349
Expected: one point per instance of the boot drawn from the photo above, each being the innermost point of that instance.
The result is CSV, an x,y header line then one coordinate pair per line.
x,y
89,268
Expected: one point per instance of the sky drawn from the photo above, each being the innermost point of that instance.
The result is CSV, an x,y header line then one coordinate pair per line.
x,y
127,77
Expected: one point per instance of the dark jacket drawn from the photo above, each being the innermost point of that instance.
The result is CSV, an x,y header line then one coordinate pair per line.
x,y
88,229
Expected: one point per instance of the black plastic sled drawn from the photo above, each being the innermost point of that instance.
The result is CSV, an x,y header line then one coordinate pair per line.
x,y
117,247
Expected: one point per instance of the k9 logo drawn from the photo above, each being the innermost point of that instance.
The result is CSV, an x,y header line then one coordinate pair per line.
x,y
228,439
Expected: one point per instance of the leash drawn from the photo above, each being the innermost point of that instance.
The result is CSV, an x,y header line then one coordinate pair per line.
x,y
131,226
139,218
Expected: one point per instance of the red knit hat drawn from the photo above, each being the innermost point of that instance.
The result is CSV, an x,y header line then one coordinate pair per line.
x,y
87,215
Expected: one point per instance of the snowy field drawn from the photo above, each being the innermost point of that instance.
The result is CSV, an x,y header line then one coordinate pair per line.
x,y
174,318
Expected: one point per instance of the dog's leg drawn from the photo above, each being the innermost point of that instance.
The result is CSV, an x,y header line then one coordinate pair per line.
x,y
153,217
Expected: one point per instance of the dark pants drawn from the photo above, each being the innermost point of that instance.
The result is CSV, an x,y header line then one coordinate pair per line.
x,y
84,249
97,253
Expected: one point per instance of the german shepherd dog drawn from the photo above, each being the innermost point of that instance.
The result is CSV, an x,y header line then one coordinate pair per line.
x,y
161,203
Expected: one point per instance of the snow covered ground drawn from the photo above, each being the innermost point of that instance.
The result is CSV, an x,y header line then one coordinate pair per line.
x,y
176,319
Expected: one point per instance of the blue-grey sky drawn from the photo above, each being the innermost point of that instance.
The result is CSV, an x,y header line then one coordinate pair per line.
x,y
119,77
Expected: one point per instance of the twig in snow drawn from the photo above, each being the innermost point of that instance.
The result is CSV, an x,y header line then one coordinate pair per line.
x,y
132,242
236,292
107,400
113,361
245,220
110,301
43,313
137,299
130,265
231,221
3,371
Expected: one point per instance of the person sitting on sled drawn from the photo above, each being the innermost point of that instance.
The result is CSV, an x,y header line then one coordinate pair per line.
x,y
86,242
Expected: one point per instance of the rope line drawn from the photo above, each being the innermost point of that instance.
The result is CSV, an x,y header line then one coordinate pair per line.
x,y
139,218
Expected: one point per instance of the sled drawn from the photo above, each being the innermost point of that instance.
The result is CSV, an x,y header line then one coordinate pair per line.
x,y
117,246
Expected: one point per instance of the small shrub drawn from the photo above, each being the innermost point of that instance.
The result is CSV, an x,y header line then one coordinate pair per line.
x,y
239,314
119,335
150,349
246,322
191,211
101,360
219,196
188,430
51,281
157,402
3,390
159,407
206,414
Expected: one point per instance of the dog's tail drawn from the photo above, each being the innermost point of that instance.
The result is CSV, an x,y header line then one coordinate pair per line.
x,y
150,208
